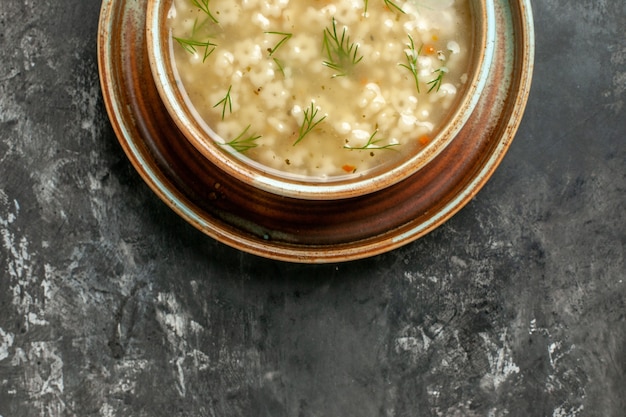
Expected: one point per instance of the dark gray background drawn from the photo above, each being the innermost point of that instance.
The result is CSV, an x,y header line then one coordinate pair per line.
x,y
111,305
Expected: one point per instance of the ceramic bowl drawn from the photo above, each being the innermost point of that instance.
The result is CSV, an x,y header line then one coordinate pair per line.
x,y
160,49
267,224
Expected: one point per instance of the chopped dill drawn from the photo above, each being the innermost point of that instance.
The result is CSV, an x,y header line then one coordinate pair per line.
x,y
204,6
372,144
342,55
280,66
191,44
392,5
226,101
285,37
243,142
435,83
411,57
309,122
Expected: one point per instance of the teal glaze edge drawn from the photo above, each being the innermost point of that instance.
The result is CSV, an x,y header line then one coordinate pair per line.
x,y
489,52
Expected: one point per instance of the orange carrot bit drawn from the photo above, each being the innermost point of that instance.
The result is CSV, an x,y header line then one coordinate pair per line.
x,y
424,140
348,168
429,49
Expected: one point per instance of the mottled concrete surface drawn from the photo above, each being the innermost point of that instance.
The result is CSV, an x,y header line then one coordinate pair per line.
x,y
110,305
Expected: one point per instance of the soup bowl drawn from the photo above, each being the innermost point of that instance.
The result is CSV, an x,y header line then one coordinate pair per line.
x,y
405,78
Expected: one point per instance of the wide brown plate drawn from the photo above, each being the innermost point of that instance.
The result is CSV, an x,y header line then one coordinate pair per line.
x,y
296,230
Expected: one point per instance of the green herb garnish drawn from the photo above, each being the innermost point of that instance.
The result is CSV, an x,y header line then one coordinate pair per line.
x,y
226,101
243,142
285,37
190,44
411,57
435,83
391,5
280,66
204,6
342,55
372,144
309,122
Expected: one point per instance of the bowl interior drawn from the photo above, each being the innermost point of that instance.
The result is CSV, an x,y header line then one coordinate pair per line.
x,y
161,44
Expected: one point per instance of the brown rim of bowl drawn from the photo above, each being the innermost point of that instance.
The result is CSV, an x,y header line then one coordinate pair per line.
x,y
159,48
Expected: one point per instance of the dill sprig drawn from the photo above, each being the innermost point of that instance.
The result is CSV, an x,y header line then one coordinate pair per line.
x,y
435,83
243,142
280,66
411,57
285,37
309,122
226,102
191,44
391,6
204,6
372,144
342,55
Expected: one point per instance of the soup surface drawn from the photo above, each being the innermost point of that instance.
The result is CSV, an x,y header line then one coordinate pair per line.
x,y
321,88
